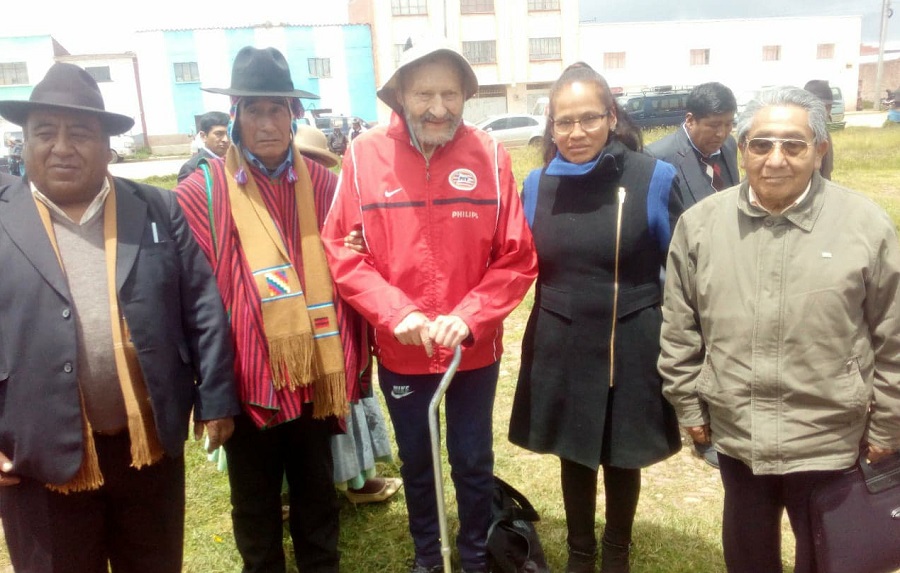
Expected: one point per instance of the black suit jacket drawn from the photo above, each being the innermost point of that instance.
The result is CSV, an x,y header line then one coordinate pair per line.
x,y
191,164
174,312
676,149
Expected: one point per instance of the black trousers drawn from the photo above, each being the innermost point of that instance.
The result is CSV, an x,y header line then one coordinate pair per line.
x,y
751,523
579,487
133,524
258,460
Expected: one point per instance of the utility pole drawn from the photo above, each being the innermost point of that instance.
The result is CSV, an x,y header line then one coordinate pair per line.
x,y
886,13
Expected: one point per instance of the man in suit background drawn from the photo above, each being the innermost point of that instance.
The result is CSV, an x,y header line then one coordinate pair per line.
x,y
111,332
703,150
704,154
214,135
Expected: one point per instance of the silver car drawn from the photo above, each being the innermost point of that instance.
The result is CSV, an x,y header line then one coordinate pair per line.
x,y
515,129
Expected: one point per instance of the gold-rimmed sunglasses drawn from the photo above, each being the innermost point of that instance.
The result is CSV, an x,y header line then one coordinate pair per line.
x,y
789,147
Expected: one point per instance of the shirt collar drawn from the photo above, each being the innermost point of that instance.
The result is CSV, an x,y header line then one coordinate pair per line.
x,y
754,199
712,155
92,211
271,173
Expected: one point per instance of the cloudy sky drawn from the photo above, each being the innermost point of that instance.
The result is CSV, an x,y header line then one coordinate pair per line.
x,y
106,25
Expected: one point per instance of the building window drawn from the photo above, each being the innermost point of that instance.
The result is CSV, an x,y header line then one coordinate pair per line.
x,y
319,67
187,72
535,5
825,52
613,60
476,7
700,57
483,52
99,73
407,7
13,73
771,53
544,49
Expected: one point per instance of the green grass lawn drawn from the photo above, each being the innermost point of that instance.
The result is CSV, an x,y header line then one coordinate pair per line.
x,y
679,516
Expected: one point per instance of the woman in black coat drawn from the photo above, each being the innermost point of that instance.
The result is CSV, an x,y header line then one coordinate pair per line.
x,y
588,391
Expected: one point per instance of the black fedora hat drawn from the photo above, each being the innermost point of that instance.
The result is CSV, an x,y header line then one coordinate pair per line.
x,y
261,72
66,87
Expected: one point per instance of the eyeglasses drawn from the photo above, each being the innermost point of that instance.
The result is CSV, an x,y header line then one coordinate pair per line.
x,y
789,147
588,123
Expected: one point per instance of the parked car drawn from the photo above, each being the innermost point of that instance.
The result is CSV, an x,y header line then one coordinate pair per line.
x,y
515,129
837,108
657,107
120,146
328,122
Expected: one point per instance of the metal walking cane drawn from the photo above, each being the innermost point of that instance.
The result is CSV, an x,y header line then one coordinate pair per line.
x,y
434,430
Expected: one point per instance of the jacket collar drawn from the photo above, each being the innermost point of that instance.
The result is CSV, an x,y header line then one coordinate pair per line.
x,y
608,164
397,129
803,215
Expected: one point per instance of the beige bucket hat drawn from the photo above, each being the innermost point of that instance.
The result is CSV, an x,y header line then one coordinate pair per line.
x,y
417,50
312,142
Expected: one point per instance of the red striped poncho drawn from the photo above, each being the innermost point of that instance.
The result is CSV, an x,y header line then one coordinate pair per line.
x,y
265,405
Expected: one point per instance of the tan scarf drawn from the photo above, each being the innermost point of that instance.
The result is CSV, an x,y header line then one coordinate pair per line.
x,y
145,446
301,328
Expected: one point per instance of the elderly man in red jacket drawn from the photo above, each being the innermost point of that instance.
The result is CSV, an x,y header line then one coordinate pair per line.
x,y
449,256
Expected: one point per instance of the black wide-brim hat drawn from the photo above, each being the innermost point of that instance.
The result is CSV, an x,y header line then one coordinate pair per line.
x,y
261,72
69,88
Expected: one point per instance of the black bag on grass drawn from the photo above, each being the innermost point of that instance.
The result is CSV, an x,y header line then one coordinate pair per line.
x,y
513,545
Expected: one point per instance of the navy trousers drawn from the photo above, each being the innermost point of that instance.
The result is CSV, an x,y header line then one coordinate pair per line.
x,y
468,407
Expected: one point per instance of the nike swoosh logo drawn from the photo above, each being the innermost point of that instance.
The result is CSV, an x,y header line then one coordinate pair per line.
x,y
397,393
390,194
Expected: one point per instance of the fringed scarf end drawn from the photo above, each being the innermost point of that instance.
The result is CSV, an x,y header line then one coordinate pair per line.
x,y
331,396
291,360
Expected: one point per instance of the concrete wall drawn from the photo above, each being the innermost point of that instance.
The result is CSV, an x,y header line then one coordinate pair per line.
x,y
658,53
172,106
890,79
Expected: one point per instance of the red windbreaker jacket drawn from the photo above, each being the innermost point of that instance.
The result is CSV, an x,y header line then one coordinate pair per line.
x,y
445,235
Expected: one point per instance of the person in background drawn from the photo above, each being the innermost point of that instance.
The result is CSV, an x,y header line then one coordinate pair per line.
x,y
588,390
822,90
703,151
111,332
257,216
366,439
449,256
781,330
214,134
337,141
16,165
704,154
357,129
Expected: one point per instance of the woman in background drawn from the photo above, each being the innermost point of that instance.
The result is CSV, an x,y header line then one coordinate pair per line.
x,y
588,391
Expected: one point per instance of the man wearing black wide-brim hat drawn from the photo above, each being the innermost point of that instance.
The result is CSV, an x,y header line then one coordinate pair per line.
x,y
109,313
257,217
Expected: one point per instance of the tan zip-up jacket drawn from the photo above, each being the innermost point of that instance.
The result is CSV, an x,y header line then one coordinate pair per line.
x,y
783,331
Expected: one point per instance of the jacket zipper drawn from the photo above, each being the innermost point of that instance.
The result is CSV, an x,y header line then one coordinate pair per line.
x,y
615,308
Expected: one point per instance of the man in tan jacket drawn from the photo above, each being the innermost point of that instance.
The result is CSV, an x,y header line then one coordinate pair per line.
x,y
781,332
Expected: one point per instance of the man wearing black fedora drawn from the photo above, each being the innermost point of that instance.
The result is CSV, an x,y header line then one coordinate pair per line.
x,y
257,217
111,332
